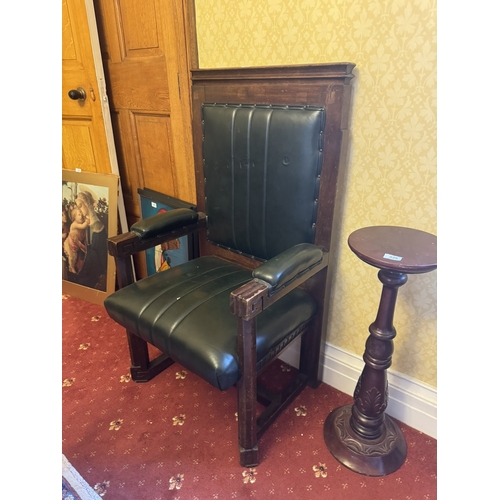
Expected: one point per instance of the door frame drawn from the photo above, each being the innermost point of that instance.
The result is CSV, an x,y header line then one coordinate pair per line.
x,y
106,113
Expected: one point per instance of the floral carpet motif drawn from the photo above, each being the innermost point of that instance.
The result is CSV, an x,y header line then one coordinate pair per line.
x,y
175,437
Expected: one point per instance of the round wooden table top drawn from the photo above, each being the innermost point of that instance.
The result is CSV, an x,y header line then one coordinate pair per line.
x,y
395,248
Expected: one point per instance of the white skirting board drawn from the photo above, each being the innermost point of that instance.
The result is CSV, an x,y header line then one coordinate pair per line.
x,y
410,401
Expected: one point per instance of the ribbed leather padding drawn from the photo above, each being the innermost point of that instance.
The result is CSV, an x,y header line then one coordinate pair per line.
x,y
262,166
184,312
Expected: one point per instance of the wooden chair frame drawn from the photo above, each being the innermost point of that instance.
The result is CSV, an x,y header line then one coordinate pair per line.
x,y
322,85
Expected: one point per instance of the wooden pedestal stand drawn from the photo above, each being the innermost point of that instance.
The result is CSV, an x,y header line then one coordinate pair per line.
x,y
361,436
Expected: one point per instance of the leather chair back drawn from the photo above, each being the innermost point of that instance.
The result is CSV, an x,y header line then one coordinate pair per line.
x,y
262,168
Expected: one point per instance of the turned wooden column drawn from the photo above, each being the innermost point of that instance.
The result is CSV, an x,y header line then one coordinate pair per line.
x,y
361,436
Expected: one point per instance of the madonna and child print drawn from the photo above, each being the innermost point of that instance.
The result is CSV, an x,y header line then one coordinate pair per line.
x,y
88,219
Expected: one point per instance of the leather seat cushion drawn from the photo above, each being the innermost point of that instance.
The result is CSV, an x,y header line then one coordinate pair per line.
x,y
184,312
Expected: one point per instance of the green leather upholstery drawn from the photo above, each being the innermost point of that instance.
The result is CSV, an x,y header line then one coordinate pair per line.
x,y
184,312
160,224
288,265
262,166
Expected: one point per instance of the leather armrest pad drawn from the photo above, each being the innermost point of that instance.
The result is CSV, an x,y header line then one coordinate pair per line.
x,y
288,265
163,223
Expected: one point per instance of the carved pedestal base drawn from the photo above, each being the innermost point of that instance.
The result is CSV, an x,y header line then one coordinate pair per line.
x,y
361,436
371,457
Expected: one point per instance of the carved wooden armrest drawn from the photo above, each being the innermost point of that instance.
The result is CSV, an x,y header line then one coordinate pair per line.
x,y
247,300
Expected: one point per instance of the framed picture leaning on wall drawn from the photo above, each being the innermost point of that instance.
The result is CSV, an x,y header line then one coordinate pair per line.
x,y
173,252
89,217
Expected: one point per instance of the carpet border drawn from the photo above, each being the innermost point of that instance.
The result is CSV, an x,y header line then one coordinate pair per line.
x,y
76,481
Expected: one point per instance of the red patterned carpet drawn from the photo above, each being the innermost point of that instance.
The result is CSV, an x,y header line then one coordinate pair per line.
x,y
176,436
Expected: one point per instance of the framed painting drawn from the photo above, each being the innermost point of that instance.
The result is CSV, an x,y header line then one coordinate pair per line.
x,y
89,217
171,253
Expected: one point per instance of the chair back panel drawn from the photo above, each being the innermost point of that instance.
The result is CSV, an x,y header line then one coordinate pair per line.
x,y
312,87
262,167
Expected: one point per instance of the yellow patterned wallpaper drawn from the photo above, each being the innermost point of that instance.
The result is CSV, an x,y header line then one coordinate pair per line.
x,y
392,179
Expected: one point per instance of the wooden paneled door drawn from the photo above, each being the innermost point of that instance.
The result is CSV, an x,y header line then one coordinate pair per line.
x,y
85,143
87,135
146,55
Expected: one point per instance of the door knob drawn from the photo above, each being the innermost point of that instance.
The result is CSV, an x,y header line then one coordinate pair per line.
x,y
78,94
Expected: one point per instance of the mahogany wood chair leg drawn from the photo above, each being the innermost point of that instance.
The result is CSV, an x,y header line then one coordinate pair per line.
x,y
310,347
309,353
141,369
247,394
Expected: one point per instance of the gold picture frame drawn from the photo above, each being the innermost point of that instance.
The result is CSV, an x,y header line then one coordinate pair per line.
x,y
89,218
